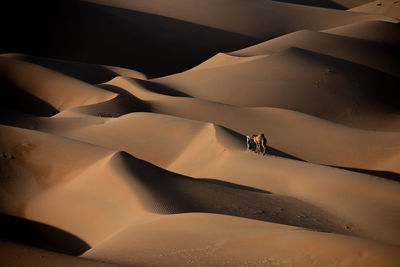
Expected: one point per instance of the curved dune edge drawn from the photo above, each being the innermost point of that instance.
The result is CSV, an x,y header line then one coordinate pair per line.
x,y
216,239
123,133
89,73
357,50
378,31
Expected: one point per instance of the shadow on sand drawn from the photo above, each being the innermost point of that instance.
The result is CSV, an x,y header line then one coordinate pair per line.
x,y
40,235
278,153
152,44
171,193
16,98
383,174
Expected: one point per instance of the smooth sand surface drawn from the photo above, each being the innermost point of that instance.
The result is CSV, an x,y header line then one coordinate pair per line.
x,y
385,7
123,134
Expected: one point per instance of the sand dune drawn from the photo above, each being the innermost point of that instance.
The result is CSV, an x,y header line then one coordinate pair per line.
x,y
377,31
215,144
123,133
335,4
323,91
207,28
385,7
254,15
279,124
15,254
230,241
88,73
49,91
366,53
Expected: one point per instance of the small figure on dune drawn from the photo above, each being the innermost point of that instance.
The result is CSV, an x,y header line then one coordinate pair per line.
x,y
250,143
255,142
260,141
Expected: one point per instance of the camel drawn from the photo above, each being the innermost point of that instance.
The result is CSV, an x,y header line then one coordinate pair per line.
x,y
260,141
250,143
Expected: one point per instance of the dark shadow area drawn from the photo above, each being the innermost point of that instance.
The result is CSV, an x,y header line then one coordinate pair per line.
x,y
278,153
86,32
316,3
89,73
15,98
237,186
114,89
40,235
160,88
383,174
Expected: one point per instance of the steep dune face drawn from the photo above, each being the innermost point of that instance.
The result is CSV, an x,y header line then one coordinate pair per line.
x,y
123,134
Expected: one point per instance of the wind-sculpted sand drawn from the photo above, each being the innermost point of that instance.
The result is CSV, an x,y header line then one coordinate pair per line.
x,y
123,133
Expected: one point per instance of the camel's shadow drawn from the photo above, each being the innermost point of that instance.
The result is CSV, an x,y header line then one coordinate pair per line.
x,y
278,153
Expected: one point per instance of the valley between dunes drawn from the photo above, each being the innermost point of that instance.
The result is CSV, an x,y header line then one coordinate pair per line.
x,y
123,133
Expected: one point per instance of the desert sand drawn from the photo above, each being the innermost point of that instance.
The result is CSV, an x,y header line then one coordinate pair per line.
x,y
123,133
